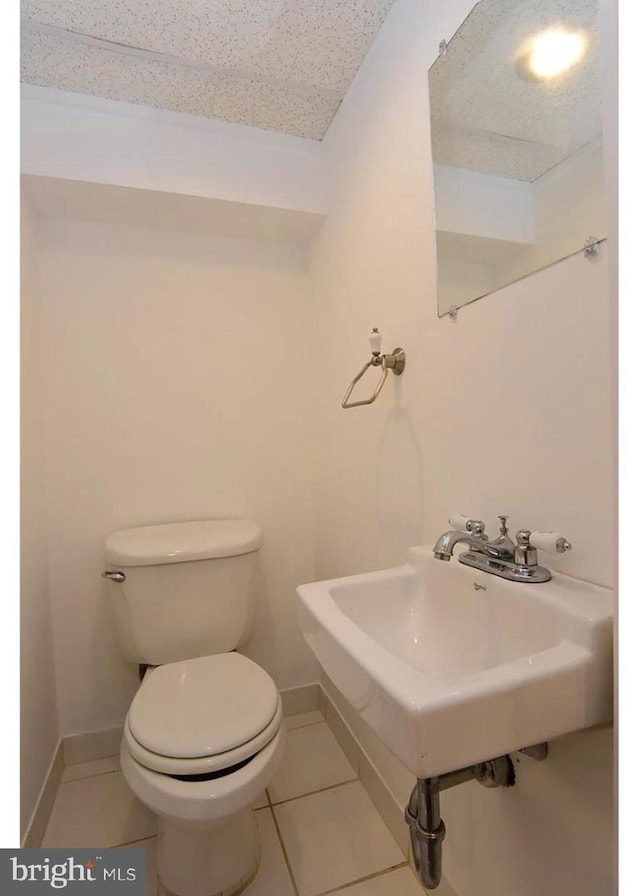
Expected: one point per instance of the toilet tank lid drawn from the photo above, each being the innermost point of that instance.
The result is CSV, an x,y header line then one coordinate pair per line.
x,y
177,542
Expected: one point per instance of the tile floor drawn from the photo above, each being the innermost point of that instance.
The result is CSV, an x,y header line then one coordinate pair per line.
x,y
319,831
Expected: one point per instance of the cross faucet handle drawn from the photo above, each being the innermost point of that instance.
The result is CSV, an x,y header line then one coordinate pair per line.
x,y
465,524
476,527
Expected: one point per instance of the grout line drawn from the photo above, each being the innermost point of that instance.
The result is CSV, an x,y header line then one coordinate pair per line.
x,y
304,725
131,842
301,796
95,759
284,852
85,777
360,880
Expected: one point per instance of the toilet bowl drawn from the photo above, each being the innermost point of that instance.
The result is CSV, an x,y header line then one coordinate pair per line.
x,y
203,735
201,741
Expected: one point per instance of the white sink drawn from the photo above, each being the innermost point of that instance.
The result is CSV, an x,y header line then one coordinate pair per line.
x,y
448,673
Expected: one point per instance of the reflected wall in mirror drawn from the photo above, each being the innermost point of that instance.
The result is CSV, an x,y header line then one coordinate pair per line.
x,y
517,144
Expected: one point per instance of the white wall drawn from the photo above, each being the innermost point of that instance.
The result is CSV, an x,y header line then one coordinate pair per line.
x,y
507,410
86,138
53,197
39,733
175,376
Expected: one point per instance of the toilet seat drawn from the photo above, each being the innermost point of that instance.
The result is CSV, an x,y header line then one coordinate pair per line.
x,y
201,765
203,801
202,715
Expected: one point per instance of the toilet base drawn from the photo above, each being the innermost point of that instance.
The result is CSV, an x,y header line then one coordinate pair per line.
x,y
207,858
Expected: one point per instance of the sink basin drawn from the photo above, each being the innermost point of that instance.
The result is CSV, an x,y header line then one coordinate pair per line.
x,y
451,666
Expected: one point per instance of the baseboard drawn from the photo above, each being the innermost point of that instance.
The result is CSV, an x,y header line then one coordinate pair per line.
x,y
386,804
91,745
40,818
304,698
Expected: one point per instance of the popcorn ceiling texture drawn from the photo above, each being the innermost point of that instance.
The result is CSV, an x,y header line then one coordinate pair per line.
x,y
281,65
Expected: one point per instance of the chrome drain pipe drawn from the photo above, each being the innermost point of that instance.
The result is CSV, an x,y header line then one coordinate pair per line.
x,y
422,814
427,830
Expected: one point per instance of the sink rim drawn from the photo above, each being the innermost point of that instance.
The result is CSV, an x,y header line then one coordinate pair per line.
x,y
434,726
414,689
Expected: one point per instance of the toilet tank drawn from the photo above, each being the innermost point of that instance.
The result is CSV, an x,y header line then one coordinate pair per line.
x,y
187,588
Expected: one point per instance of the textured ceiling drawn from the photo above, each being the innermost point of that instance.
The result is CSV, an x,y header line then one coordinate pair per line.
x,y
486,117
281,65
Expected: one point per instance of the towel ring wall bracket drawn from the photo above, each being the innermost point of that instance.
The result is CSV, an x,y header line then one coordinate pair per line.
x,y
395,361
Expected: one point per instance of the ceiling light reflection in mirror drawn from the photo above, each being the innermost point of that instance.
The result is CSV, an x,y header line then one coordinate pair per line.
x,y
517,144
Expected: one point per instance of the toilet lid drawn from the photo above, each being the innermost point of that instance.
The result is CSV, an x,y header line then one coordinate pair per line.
x,y
203,706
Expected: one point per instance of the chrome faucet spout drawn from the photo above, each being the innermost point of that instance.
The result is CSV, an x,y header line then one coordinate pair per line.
x,y
443,548
500,549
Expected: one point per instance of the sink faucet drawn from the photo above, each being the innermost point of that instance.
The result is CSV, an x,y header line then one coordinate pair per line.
x,y
501,557
501,548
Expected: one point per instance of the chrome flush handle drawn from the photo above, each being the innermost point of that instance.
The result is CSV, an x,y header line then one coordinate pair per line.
x,y
114,576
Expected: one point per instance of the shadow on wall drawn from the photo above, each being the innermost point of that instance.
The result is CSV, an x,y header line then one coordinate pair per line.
x,y
399,484
272,638
113,674
258,640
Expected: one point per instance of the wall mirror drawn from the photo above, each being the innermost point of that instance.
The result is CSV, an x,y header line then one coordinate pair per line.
x,y
517,144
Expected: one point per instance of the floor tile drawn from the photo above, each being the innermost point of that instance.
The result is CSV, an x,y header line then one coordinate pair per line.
x,y
386,805
149,847
272,878
261,801
312,760
88,769
401,882
334,837
302,719
98,811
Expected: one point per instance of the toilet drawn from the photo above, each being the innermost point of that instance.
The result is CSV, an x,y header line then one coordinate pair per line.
x,y
204,734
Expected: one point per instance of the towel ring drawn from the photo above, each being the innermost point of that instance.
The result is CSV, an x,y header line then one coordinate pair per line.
x,y
396,362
